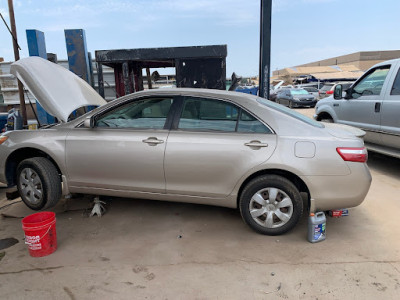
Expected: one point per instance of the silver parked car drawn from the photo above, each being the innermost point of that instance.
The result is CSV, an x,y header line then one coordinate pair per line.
x,y
295,97
187,145
313,91
329,87
372,104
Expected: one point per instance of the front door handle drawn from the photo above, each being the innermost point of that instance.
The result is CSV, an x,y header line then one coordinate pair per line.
x,y
256,144
377,107
152,141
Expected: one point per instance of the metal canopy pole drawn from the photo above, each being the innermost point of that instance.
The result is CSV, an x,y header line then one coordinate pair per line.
x,y
265,48
37,47
16,57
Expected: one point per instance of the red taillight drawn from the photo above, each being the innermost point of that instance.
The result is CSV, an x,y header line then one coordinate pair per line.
x,y
329,92
353,154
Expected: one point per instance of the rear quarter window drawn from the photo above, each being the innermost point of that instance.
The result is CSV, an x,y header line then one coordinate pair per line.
x,y
289,112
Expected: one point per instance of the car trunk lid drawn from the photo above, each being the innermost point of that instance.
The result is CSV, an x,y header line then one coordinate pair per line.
x,y
343,131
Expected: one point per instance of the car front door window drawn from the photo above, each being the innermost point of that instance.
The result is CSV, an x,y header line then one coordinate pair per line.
x,y
372,83
141,114
396,85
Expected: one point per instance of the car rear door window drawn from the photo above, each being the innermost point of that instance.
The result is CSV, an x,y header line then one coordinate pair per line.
x,y
144,114
208,115
201,114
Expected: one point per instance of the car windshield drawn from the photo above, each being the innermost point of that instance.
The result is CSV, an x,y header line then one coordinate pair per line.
x,y
299,92
290,112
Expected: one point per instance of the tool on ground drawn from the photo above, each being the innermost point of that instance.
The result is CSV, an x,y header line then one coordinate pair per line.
x,y
98,208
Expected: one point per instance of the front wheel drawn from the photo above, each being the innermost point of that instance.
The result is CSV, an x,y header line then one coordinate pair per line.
x,y
327,120
38,183
271,204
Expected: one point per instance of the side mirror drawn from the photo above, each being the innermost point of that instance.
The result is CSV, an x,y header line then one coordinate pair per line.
x,y
337,93
88,123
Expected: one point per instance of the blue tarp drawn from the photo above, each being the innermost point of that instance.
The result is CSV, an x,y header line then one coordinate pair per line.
x,y
253,90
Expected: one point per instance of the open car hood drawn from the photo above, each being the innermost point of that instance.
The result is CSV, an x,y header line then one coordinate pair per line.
x,y
58,90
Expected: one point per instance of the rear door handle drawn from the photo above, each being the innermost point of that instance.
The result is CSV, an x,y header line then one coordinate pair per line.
x,y
256,144
152,141
377,107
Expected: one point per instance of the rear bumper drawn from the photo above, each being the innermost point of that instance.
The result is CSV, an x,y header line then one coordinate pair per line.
x,y
335,192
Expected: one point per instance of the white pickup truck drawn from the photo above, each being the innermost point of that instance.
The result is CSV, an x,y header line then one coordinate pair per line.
x,y
372,103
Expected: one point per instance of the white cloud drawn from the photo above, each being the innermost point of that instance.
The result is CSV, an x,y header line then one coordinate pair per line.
x,y
54,27
5,14
223,12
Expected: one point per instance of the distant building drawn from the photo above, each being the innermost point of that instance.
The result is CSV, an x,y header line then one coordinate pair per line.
x,y
361,60
345,67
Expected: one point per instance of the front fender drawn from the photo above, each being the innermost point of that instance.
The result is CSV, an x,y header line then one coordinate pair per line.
x,y
50,142
325,108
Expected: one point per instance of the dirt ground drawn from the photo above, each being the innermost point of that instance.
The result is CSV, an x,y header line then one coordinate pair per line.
x,y
159,250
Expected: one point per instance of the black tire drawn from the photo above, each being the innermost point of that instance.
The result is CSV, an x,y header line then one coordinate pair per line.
x,y
50,183
271,182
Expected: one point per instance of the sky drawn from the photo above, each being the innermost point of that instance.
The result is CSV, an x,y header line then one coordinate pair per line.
x,y
302,30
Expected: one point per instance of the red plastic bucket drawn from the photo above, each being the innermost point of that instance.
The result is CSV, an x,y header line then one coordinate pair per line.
x,y
40,233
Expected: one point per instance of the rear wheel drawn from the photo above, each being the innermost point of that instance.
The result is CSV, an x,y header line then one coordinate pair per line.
x,y
271,205
38,183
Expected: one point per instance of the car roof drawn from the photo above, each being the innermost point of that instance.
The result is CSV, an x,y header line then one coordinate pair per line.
x,y
386,62
236,97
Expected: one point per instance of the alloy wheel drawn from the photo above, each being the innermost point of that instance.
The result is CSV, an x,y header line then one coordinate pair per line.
x,y
31,186
271,207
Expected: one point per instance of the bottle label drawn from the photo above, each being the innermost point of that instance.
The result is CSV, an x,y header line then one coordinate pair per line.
x,y
319,231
